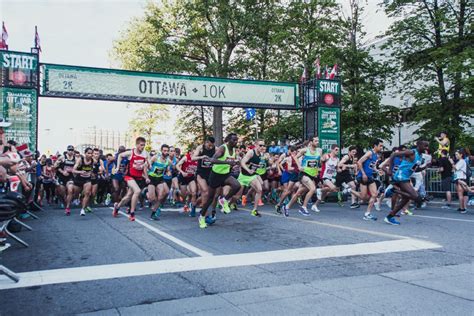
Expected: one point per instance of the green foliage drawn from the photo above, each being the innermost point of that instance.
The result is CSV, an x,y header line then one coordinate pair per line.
x,y
432,52
146,122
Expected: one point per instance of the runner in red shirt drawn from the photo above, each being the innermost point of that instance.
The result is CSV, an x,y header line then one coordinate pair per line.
x,y
187,182
136,176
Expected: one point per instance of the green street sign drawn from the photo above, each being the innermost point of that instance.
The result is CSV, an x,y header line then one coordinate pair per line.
x,y
329,127
329,86
19,107
122,85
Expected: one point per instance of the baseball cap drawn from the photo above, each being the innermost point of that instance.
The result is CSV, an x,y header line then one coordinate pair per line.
x,y
70,147
27,153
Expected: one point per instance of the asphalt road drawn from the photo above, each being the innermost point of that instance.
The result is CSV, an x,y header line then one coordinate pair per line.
x,y
331,262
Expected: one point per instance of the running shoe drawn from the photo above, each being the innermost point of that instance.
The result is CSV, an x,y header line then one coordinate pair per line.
x,y
202,221
463,211
131,217
128,210
391,221
285,210
186,208
278,209
299,200
260,203
303,211
233,207
315,208
210,220
108,199
347,191
355,205
339,197
158,211
88,209
319,194
244,200
83,212
255,213
377,207
225,205
116,210
447,206
75,202
407,212
389,203
193,211
154,216
67,211
369,217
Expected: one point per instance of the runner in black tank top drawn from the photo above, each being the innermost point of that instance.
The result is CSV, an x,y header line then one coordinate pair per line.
x,y
82,181
345,176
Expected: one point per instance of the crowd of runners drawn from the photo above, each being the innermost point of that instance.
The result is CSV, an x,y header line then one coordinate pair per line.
x,y
231,176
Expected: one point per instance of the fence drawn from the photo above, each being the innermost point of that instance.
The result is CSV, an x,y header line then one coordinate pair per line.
x,y
433,181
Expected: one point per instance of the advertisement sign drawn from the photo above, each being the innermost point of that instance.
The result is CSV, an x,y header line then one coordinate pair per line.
x,y
122,85
19,108
329,127
18,69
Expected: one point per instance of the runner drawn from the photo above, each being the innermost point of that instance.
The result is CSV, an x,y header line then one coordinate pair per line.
x,y
203,154
65,165
136,178
187,182
308,176
344,178
82,180
97,176
222,161
331,162
366,177
411,159
118,181
460,179
291,168
250,163
157,188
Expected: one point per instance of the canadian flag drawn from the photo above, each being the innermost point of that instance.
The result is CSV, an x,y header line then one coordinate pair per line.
x,y
22,148
37,40
326,73
3,41
303,76
333,72
318,68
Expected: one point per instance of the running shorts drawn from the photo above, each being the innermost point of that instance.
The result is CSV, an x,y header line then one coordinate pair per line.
x,y
156,180
245,180
185,181
343,177
370,180
140,181
217,180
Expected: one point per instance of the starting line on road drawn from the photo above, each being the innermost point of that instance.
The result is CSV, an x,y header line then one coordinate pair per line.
x,y
122,270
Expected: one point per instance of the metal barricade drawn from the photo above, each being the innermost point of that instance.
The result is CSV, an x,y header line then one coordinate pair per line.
x,y
433,181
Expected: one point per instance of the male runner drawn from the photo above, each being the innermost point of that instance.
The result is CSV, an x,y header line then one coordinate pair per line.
x,y
203,154
344,177
136,178
367,165
308,176
187,182
157,188
249,165
411,160
65,165
222,161
290,166
82,181
118,182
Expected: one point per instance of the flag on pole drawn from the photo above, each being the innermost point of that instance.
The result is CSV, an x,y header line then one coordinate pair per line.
x,y
333,72
317,66
37,39
303,76
326,72
3,42
249,113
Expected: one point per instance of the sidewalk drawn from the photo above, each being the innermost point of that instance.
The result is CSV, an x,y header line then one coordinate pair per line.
x,y
445,290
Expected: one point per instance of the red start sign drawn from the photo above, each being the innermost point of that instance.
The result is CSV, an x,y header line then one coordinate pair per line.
x,y
328,99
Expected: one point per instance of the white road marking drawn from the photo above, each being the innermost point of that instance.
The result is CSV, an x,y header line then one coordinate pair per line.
x,y
177,241
122,270
360,230
445,218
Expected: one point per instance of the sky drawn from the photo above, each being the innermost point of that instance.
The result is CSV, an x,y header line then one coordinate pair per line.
x,y
82,32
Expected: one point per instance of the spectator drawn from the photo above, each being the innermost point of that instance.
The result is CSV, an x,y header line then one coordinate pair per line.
x,y
443,143
446,170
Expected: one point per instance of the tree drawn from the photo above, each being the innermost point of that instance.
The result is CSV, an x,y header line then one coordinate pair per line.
x,y
146,122
194,124
431,49
363,116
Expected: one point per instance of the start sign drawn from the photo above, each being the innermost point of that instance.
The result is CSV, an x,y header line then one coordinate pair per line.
x,y
329,86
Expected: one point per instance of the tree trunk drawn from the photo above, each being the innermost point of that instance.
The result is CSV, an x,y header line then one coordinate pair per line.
x,y
217,125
